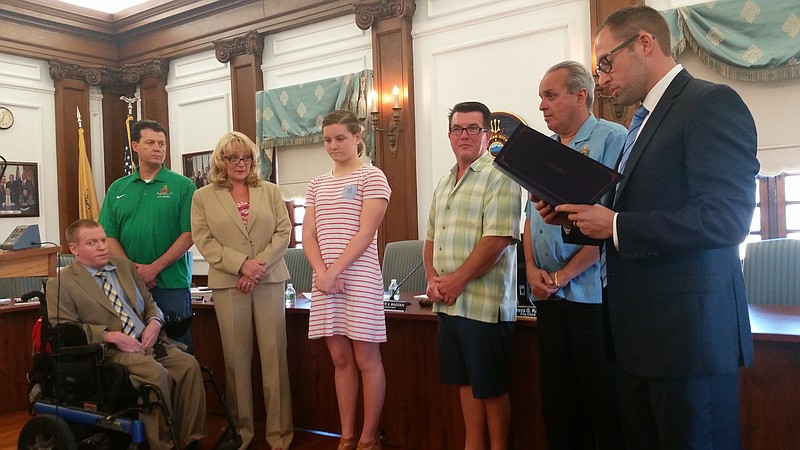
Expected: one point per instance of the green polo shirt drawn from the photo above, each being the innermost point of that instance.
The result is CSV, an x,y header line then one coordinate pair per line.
x,y
484,202
147,218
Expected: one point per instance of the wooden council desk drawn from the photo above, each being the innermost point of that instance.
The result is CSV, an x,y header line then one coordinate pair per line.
x,y
420,413
16,322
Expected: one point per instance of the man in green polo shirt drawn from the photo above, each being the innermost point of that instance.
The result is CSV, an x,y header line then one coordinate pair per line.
x,y
147,217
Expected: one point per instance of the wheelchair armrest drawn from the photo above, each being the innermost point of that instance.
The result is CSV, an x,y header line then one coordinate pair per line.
x,y
81,350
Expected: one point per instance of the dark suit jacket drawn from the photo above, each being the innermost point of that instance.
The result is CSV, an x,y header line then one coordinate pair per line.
x,y
676,299
75,296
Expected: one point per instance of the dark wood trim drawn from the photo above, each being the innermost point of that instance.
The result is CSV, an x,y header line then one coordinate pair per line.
x,y
392,56
115,139
155,107
47,29
606,107
70,94
244,55
106,76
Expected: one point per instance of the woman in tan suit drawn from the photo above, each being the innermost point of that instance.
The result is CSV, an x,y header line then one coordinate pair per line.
x,y
241,227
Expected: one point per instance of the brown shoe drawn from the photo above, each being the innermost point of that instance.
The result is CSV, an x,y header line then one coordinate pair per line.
x,y
347,443
374,444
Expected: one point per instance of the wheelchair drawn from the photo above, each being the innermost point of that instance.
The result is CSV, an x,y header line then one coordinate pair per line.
x,y
80,401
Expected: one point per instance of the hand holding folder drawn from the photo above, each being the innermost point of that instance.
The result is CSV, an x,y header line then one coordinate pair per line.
x,y
552,171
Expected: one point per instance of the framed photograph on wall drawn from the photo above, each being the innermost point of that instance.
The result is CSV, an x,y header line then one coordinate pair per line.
x,y
19,190
197,166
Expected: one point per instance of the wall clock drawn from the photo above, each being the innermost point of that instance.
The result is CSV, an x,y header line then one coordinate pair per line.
x,y
6,118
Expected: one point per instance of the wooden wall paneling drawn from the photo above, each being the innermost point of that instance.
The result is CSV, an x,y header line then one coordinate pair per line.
x,y
155,107
16,323
769,406
392,56
604,106
115,139
246,80
43,37
51,29
186,33
70,94
243,54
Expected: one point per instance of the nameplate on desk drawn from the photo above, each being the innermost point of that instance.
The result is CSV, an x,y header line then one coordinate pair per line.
x,y
394,305
204,297
526,311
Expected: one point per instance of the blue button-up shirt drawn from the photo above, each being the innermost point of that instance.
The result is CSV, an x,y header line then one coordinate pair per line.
x,y
603,140
130,307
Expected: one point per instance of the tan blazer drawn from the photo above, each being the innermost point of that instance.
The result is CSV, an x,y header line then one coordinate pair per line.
x,y
75,296
225,242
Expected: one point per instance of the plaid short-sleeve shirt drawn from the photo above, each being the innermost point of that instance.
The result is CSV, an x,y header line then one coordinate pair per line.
x,y
484,202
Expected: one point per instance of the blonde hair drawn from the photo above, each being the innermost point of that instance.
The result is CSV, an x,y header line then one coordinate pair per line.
x,y
219,165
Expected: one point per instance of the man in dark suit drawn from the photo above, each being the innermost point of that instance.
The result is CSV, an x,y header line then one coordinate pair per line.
x,y
25,183
676,302
130,329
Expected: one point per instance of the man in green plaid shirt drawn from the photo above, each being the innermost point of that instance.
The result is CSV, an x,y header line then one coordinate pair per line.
x,y
470,264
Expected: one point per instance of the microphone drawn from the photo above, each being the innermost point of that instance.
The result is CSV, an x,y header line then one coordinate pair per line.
x,y
396,289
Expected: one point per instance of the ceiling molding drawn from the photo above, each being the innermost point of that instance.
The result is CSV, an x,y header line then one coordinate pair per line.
x,y
252,43
370,11
47,29
105,76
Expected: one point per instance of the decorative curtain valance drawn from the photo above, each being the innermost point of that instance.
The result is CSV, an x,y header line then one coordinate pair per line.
x,y
753,40
293,115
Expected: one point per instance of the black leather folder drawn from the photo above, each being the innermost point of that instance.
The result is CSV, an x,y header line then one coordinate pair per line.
x,y
553,172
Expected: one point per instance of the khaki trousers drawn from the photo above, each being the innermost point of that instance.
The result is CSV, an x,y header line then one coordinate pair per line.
x,y
180,380
239,315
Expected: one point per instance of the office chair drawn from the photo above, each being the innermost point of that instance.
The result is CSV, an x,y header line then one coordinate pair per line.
x,y
400,259
772,272
299,269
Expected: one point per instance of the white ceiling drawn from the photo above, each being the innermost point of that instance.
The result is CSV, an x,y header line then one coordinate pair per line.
x,y
107,6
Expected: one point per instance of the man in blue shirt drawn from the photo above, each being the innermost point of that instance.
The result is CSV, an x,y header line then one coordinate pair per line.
x,y
578,395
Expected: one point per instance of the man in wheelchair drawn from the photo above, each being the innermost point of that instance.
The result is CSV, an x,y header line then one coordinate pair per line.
x,y
114,308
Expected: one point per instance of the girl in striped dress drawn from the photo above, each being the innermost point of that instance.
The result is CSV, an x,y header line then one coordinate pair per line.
x,y
343,210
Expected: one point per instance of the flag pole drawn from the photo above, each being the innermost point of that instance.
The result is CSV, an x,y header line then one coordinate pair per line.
x,y
129,151
88,207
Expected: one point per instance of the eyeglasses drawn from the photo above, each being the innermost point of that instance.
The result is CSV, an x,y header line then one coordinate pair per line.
x,y
604,65
456,130
235,160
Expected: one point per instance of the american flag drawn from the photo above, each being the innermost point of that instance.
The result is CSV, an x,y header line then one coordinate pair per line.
x,y
127,166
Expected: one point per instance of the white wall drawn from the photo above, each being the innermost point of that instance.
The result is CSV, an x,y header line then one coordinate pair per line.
x,y
775,106
200,112
495,52
28,91
200,105
776,109
314,52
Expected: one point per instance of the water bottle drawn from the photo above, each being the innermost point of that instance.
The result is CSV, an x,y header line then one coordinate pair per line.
x,y
394,291
290,296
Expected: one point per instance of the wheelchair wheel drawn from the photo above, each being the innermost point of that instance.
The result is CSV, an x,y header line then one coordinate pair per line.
x,y
46,432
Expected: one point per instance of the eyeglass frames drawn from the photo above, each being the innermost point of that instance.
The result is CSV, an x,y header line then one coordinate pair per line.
x,y
456,130
604,65
235,160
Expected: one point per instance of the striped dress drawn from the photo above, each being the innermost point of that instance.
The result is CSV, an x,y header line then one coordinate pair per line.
x,y
357,312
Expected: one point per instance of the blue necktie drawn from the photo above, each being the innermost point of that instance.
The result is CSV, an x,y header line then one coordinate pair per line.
x,y
633,131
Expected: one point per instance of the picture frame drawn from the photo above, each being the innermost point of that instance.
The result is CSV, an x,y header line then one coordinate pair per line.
x,y
197,166
19,190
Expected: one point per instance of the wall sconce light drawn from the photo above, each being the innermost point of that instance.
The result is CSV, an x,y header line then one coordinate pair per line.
x,y
393,128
